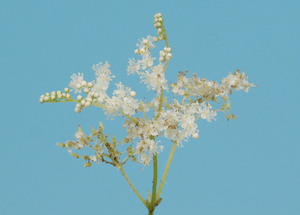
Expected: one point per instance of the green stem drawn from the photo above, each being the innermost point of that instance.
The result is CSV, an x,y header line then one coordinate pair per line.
x,y
132,187
96,104
129,117
153,196
162,182
62,101
160,102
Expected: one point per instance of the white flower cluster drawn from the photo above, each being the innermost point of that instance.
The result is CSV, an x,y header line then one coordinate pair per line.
x,y
174,120
210,90
152,76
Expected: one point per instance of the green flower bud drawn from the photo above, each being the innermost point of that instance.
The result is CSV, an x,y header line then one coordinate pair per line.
x,y
88,164
228,117
225,98
75,155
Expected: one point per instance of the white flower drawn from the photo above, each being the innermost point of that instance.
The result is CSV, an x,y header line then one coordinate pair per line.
x,y
75,84
144,146
130,105
207,113
79,134
155,79
147,61
133,67
112,106
96,158
146,43
103,77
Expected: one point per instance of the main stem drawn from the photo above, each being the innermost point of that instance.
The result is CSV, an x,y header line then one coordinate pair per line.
x,y
153,195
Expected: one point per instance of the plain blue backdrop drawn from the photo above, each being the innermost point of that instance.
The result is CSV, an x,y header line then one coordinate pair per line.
x,y
245,166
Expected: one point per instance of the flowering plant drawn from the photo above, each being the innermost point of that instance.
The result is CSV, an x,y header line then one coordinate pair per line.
x,y
174,120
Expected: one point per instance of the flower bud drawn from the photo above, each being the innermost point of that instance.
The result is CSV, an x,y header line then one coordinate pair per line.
x,y
196,136
168,49
132,93
77,110
234,116
223,106
157,15
66,90
87,104
169,56
145,41
83,83
79,97
142,50
225,98
228,117
88,164
228,106
155,39
86,90
114,139
75,155
162,53
63,145
161,59
78,86
90,84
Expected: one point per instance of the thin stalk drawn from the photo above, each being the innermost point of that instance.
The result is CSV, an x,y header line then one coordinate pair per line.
x,y
160,102
132,187
162,182
153,195
133,119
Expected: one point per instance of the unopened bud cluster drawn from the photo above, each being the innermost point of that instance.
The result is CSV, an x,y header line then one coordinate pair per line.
x,y
159,25
165,54
54,96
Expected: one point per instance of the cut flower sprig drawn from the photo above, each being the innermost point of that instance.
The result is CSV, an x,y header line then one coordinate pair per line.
x,y
173,120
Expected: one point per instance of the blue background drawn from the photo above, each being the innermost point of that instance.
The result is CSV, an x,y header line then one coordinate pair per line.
x,y
245,166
